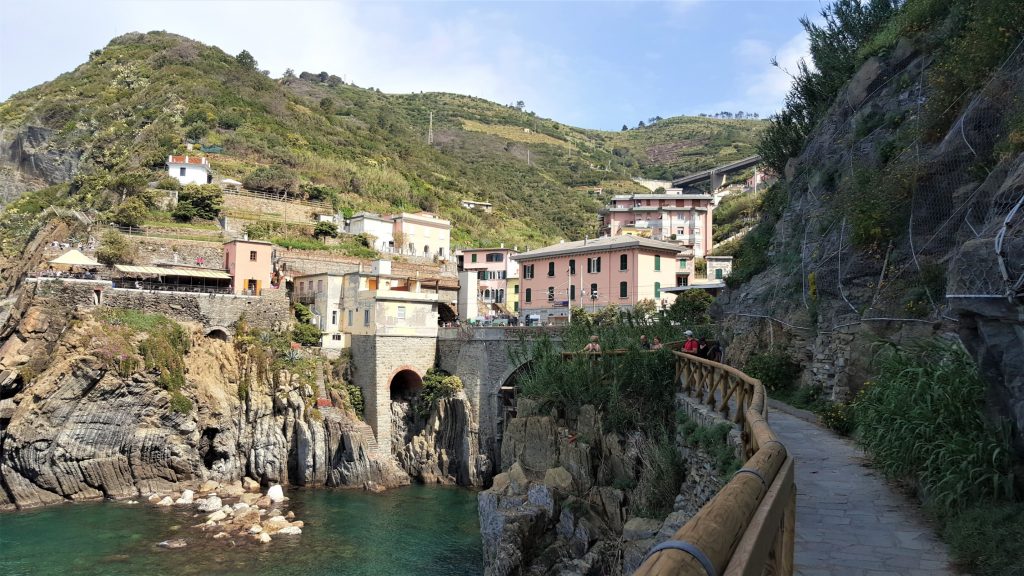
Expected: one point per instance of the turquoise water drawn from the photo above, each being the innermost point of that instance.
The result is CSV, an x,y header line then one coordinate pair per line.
x,y
423,531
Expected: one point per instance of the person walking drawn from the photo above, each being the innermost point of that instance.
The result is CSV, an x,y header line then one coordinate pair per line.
x,y
644,343
657,345
703,348
690,346
593,345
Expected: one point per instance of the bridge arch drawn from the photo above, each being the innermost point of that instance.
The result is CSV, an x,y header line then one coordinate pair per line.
x,y
404,382
217,333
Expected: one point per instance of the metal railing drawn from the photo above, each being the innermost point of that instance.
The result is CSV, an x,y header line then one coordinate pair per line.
x,y
748,528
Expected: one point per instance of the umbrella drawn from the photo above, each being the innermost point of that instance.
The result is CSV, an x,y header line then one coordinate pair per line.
x,y
74,258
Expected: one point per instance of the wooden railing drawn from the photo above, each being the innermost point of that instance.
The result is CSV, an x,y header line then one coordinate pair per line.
x,y
748,527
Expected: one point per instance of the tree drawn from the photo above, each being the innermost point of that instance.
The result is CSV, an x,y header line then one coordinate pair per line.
x,y
131,213
273,179
399,237
520,105
325,230
645,310
624,127
203,202
690,308
115,249
306,334
326,104
246,60
641,124
127,184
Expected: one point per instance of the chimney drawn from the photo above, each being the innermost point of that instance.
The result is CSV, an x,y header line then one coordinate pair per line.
x,y
585,239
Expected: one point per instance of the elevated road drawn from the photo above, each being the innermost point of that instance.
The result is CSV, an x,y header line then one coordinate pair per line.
x,y
717,174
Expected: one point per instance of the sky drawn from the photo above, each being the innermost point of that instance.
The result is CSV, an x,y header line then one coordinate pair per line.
x,y
588,64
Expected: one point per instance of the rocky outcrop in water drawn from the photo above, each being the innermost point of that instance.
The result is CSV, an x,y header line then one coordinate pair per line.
x,y
445,450
72,428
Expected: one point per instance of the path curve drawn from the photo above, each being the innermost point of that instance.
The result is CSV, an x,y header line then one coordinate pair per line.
x,y
849,520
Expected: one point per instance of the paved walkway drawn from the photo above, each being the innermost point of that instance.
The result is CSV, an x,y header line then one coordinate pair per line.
x,y
849,520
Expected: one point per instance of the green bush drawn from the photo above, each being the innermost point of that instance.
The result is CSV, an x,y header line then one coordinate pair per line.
x,y
115,248
659,477
302,313
922,420
168,183
840,417
272,179
306,334
133,213
988,539
691,308
775,369
203,202
180,403
713,441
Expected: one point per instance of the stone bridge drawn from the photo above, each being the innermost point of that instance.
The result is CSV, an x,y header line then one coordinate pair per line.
x,y
486,359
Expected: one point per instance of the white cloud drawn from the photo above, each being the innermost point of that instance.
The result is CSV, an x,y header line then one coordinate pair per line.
x,y
760,86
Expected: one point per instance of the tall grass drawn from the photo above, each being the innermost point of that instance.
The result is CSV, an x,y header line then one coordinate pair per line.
x,y
923,421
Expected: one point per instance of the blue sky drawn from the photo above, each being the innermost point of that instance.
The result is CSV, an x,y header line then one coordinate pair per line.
x,y
590,64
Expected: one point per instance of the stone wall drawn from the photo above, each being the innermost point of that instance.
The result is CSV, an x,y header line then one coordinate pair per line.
x,y
270,311
302,262
376,359
249,208
162,251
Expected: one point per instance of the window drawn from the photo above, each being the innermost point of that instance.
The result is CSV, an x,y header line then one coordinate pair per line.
x,y
623,290
515,307
496,257
718,273
319,285
335,337
472,258
252,255
301,286
527,271
334,317
572,267
481,275
499,296
529,295
366,317
572,292
623,262
349,318
594,265
657,263
593,291
401,312
515,289
551,268
657,289
181,171
551,293
682,264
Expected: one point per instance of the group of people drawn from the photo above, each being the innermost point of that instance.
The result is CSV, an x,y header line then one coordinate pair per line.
x,y
698,347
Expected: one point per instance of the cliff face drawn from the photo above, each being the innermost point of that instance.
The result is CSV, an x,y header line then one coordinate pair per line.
x,y
896,229
72,428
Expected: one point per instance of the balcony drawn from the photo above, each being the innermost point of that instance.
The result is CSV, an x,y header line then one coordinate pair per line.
x,y
305,297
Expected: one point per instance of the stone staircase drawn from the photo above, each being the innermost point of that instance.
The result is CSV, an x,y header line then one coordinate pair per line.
x,y
348,422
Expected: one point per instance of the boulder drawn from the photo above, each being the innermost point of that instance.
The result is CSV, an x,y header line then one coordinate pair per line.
x,y
186,497
233,490
255,529
240,506
640,528
291,530
172,544
275,493
246,517
166,501
263,538
863,82
541,496
209,486
221,535
609,504
500,483
211,503
249,499
558,479
250,485
518,480
275,524
216,516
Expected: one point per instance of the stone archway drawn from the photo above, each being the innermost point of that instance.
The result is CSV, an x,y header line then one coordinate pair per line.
x,y
404,384
218,333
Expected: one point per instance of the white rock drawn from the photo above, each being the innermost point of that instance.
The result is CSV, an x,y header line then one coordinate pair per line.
x,y
165,502
227,510
176,543
210,504
293,530
216,516
154,498
275,493
250,485
255,529
132,502
240,506
220,535
186,497
264,538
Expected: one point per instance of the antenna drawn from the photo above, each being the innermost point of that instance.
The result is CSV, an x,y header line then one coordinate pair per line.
x,y
430,130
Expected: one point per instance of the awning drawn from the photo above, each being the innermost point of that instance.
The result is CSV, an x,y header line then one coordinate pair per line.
x,y
162,271
74,258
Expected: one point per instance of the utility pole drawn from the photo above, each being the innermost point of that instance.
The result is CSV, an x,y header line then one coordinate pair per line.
x,y
528,156
430,130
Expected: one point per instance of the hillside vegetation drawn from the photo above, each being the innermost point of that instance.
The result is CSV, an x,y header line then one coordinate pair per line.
x,y
145,96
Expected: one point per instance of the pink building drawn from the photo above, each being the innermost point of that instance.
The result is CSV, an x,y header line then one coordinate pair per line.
x,y
494,268
675,216
619,270
249,263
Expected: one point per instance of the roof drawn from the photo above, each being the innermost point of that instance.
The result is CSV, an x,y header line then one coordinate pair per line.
x,y
481,202
683,196
371,216
74,258
187,160
603,244
240,240
168,271
701,286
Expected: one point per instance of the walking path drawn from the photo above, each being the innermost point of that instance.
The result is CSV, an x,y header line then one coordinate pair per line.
x,y
849,520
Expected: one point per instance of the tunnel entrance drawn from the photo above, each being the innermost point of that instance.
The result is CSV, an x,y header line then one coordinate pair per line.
x,y
404,385
217,334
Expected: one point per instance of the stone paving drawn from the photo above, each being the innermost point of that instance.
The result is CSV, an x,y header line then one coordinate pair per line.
x,y
849,520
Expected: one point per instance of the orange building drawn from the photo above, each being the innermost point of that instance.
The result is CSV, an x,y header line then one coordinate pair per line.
x,y
250,264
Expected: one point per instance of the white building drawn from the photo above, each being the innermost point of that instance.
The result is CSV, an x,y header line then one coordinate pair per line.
x,y
423,234
476,205
189,169
380,227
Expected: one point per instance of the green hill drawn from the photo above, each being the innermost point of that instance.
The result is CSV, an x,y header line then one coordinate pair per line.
x,y
116,118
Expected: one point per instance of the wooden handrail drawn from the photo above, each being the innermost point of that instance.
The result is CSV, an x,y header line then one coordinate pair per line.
x,y
748,527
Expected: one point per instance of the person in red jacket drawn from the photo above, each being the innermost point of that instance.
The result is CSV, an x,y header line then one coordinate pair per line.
x,y
690,346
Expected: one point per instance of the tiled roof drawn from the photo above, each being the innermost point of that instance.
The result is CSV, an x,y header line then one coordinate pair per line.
x,y
187,160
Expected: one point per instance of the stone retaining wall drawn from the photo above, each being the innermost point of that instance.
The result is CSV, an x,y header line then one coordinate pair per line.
x,y
163,250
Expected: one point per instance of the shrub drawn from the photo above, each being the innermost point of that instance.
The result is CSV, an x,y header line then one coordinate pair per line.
x,y
659,477
840,417
132,213
325,230
988,539
180,403
306,334
168,183
115,249
203,202
690,308
302,313
272,179
775,369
